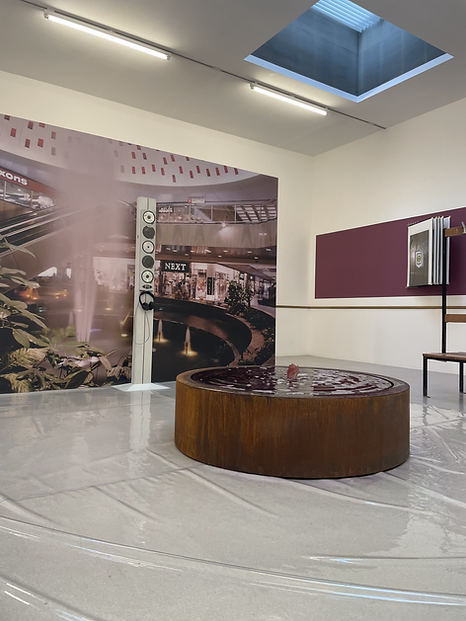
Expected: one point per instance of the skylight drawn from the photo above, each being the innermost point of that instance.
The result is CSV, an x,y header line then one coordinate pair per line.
x,y
342,48
347,13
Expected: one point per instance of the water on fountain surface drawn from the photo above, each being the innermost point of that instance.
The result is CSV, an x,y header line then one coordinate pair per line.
x,y
310,382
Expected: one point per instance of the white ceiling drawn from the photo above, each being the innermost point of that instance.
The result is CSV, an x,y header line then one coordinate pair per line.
x,y
209,40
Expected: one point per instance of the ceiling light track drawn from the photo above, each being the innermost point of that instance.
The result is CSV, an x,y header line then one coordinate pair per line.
x,y
307,105
103,32
147,45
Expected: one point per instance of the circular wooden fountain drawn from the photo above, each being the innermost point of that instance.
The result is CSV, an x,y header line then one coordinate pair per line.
x,y
325,423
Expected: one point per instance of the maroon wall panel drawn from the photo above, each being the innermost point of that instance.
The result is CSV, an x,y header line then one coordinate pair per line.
x,y
372,261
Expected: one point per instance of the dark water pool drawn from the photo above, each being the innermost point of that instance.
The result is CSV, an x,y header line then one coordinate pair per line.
x,y
181,348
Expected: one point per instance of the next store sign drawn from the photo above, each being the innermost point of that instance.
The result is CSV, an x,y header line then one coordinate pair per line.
x,y
175,266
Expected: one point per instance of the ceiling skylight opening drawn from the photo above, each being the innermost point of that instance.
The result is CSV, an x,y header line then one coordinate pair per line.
x,y
347,13
345,50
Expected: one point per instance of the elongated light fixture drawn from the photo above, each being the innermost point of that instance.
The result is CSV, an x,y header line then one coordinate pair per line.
x,y
104,34
291,100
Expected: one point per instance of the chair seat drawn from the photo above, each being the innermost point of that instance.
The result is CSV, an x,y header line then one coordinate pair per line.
x,y
453,356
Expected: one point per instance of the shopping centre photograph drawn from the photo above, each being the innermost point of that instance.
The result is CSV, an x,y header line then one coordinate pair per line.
x,y
68,212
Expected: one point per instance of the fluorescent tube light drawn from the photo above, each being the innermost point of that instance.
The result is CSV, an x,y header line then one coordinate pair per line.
x,y
290,100
103,34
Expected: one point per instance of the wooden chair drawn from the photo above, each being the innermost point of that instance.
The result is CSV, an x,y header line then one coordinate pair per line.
x,y
444,356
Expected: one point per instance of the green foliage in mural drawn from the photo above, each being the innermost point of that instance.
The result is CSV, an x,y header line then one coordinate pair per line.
x,y
238,301
238,298
265,324
34,357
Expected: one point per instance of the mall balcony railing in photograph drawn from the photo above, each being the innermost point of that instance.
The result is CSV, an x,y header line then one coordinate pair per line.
x,y
58,228
24,229
250,213
224,234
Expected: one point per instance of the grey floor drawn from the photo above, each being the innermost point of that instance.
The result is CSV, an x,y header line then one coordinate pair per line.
x,y
102,519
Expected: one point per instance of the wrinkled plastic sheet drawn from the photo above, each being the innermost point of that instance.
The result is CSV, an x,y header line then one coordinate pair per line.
x,y
103,519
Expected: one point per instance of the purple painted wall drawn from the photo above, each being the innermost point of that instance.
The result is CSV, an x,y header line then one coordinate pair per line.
x,y
372,261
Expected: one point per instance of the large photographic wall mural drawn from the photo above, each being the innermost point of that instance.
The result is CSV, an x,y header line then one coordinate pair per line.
x,y
67,248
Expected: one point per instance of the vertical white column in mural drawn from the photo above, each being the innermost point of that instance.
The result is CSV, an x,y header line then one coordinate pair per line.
x,y
144,300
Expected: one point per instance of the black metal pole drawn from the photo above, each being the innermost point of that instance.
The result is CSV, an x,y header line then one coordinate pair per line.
x,y
444,292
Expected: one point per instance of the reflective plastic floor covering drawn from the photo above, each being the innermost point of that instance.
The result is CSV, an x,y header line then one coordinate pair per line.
x,y
102,519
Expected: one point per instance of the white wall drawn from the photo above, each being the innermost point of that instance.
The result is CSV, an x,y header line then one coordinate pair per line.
x,y
414,168
41,102
411,169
